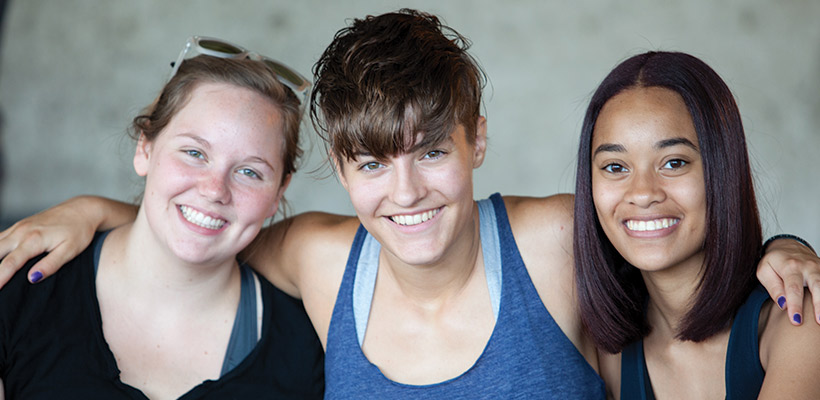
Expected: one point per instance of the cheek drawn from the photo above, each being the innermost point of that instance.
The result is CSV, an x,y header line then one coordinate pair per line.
x,y
457,180
255,204
605,195
168,176
693,197
365,193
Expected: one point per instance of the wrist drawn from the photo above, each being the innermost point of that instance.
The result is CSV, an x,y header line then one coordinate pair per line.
x,y
788,237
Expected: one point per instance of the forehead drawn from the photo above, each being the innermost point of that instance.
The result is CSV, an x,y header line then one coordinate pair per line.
x,y
231,117
644,115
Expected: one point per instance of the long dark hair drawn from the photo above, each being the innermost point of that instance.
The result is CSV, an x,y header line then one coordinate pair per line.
x,y
612,294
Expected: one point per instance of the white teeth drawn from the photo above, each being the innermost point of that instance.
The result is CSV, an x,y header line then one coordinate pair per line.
x,y
197,218
415,219
654,225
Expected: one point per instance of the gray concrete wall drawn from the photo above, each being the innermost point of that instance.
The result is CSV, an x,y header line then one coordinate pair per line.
x,y
74,72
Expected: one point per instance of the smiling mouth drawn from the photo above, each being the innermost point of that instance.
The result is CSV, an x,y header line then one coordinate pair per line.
x,y
653,225
197,218
414,219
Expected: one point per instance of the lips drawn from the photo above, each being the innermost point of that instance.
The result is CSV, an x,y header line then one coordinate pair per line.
x,y
651,225
414,219
197,218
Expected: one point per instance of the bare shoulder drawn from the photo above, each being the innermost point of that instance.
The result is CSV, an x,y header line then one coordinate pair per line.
x,y
524,211
314,238
542,228
317,246
289,252
788,353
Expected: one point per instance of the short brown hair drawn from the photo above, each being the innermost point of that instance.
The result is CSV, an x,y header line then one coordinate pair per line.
x,y
386,79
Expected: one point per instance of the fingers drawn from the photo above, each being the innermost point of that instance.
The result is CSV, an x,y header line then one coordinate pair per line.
x,y
49,264
30,247
794,297
5,273
770,280
813,283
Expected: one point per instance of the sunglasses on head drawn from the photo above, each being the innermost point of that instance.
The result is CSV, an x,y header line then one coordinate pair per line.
x,y
222,49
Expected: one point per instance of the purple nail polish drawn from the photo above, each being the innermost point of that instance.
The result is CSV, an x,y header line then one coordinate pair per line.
x,y
36,276
797,318
781,302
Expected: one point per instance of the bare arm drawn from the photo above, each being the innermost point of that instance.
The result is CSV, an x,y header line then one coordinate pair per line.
x,y
790,356
288,252
63,231
305,256
2,391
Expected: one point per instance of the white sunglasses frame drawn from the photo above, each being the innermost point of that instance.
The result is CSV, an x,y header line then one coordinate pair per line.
x,y
301,89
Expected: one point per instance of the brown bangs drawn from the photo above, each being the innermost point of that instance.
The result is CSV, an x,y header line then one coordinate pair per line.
x,y
383,132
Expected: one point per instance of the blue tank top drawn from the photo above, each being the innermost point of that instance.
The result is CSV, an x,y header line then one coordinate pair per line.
x,y
527,355
744,374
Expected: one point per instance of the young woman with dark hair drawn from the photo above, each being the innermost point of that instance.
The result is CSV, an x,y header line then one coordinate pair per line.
x,y
667,237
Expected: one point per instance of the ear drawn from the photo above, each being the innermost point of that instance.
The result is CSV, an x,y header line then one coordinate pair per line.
x,y
480,142
142,156
280,194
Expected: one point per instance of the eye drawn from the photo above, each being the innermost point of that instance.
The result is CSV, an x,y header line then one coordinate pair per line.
x,y
614,168
675,164
371,166
434,154
194,153
249,173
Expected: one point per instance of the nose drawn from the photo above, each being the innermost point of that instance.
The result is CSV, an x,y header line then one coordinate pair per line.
x,y
215,186
645,189
408,184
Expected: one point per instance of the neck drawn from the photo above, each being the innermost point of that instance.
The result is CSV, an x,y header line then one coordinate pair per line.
x,y
671,295
149,271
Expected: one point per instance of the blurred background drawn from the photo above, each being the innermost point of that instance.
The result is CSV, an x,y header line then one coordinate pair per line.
x,y
74,72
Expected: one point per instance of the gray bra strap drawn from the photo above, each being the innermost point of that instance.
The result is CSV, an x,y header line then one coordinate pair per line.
x,y
364,284
492,252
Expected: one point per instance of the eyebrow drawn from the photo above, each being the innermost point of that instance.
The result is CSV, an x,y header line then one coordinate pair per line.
x,y
356,155
260,160
197,139
674,142
617,148
608,147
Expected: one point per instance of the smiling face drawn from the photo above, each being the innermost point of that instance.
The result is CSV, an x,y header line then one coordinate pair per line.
x,y
418,205
647,179
214,173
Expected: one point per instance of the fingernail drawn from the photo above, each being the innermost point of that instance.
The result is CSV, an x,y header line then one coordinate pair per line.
x,y
797,318
36,276
781,302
